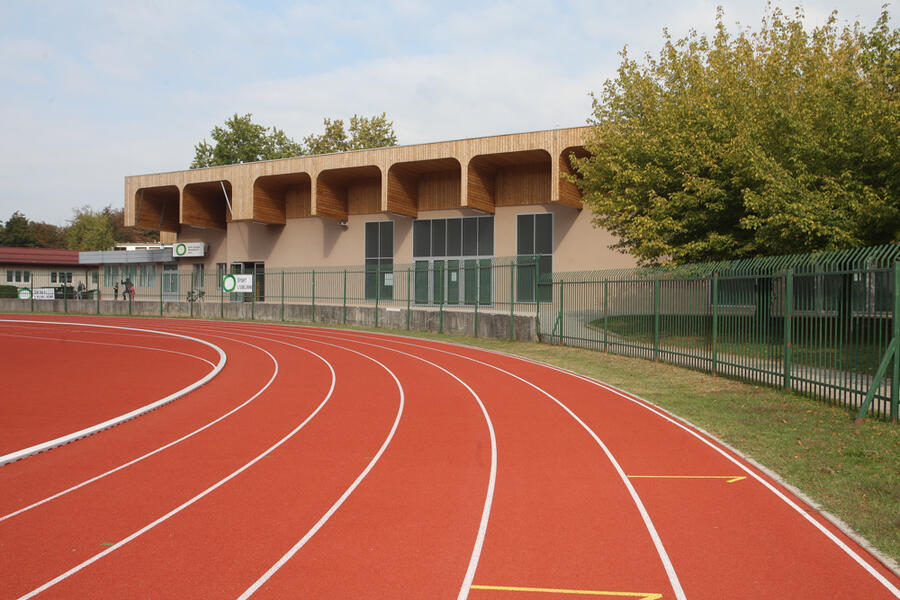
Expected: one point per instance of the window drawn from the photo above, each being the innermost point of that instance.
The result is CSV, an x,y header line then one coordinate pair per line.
x,y
534,249
110,275
27,276
379,260
198,276
147,275
9,276
18,276
95,277
52,276
453,260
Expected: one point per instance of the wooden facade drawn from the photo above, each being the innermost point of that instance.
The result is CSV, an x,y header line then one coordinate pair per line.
x,y
479,173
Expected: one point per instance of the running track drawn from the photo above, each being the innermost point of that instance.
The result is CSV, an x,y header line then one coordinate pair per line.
x,y
337,464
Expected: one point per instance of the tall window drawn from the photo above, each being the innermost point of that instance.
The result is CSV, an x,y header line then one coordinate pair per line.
x,y
534,247
380,260
453,260
198,276
110,275
9,276
147,275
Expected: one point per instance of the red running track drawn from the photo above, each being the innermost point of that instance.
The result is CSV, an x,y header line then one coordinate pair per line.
x,y
338,464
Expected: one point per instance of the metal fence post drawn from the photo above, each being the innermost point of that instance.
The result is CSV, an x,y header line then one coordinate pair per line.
x,y
253,296
715,323
512,296
408,297
606,315
31,284
66,295
895,380
788,324
314,295
222,297
478,292
562,301
377,290
345,297
282,294
656,290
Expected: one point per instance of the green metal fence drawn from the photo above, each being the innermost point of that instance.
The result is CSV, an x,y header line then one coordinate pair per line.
x,y
823,324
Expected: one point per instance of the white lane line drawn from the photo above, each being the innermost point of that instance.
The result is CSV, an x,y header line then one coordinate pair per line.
x,y
645,516
647,405
188,503
37,337
837,541
161,448
25,452
489,495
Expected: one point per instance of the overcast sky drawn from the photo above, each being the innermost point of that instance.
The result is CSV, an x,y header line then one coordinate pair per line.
x,y
93,91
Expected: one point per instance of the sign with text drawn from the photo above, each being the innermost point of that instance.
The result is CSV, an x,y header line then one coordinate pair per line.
x,y
24,294
237,283
186,249
44,294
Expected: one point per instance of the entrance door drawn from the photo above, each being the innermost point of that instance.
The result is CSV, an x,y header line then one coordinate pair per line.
x,y
452,282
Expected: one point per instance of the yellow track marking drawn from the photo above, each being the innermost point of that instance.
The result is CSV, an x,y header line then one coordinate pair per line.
x,y
730,478
504,588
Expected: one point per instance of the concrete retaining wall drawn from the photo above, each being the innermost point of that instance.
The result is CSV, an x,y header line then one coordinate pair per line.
x,y
490,324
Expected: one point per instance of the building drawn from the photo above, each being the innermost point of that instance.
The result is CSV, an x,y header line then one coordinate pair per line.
x,y
44,268
433,208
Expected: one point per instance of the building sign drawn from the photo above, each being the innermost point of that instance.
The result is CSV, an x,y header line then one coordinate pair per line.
x,y
189,249
24,294
44,294
237,283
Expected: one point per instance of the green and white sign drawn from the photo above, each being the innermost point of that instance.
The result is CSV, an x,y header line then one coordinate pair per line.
x,y
183,249
237,283
24,294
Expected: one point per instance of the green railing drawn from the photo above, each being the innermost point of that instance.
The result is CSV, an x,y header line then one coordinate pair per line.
x,y
822,324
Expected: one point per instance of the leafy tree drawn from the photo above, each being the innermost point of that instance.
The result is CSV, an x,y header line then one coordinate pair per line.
x,y
128,235
778,141
365,132
242,141
90,230
17,232
48,236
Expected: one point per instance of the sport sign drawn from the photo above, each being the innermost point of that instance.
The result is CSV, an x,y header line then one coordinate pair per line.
x,y
182,249
24,294
237,283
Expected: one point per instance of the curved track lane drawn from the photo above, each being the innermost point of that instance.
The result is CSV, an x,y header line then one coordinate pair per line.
x,y
324,463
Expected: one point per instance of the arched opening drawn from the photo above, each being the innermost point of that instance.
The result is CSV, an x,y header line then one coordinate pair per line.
x,y
206,204
277,198
348,191
509,179
424,185
157,208
569,194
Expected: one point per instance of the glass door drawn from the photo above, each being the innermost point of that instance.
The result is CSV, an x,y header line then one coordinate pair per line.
x,y
170,283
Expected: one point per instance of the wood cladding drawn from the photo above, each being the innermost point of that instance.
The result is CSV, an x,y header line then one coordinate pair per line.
x,y
203,205
440,191
569,194
478,173
157,208
528,184
270,197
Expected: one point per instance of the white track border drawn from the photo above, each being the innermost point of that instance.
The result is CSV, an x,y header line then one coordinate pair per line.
x,y
44,446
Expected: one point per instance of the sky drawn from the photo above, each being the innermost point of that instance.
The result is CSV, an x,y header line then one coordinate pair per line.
x,y
91,92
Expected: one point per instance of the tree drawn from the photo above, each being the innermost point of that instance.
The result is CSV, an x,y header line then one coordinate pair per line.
x,y
242,141
17,232
90,230
365,132
46,235
128,235
772,142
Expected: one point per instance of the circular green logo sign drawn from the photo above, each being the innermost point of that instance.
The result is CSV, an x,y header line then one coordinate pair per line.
x,y
24,294
229,282
180,249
